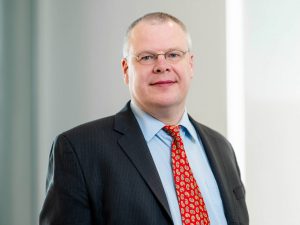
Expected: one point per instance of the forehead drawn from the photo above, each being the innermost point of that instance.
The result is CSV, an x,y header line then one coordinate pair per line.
x,y
157,36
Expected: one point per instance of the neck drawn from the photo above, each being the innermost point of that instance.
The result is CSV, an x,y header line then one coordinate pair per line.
x,y
167,115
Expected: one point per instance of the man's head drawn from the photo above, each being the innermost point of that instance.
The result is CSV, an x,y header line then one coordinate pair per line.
x,y
156,17
157,63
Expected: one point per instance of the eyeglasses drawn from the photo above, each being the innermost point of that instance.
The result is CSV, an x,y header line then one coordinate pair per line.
x,y
149,58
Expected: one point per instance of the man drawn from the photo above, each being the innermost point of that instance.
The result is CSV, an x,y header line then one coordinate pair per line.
x,y
151,163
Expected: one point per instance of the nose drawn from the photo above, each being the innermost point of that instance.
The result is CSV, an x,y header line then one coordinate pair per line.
x,y
161,65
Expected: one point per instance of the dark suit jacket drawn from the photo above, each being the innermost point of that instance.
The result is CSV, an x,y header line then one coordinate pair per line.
x,y
102,173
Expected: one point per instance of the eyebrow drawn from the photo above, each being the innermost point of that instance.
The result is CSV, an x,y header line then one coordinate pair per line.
x,y
153,52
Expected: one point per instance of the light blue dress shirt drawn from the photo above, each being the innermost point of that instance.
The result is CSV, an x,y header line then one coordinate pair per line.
x,y
159,143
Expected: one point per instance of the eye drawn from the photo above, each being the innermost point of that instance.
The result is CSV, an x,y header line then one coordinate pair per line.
x,y
146,57
174,55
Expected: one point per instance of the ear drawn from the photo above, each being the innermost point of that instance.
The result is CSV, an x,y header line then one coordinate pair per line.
x,y
191,64
124,64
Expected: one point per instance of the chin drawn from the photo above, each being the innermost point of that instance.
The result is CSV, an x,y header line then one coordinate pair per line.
x,y
165,104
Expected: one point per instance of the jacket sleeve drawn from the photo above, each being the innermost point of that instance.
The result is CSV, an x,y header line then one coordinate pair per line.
x,y
66,198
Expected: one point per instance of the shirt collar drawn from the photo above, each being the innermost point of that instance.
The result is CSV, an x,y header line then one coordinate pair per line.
x,y
188,127
150,126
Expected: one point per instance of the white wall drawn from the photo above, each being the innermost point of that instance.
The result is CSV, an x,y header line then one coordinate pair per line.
x,y
272,82
79,53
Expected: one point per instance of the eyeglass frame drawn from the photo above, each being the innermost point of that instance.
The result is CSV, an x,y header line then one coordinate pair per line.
x,y
155,55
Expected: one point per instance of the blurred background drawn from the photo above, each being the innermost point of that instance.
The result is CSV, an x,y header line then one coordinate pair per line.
x,y
60,66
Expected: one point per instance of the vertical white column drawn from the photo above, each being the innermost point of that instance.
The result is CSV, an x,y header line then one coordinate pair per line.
x,y
272,87
235,80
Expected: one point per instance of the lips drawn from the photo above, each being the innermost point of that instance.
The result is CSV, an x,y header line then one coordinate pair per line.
x,y
163,82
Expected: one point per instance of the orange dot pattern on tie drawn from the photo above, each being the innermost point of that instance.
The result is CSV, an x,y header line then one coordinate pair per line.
x,y
190,200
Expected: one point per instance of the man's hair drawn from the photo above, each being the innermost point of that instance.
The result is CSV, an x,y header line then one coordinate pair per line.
x,y
154,18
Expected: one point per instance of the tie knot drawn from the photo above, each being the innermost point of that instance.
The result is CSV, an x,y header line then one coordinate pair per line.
x,y
172,130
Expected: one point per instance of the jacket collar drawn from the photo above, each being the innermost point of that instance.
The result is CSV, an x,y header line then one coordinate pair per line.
x,y
215,154
134,145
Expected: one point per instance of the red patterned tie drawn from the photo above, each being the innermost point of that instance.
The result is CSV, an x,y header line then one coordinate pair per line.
x,y
191,203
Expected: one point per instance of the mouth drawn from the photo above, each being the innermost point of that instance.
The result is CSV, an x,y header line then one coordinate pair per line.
x,y
163,83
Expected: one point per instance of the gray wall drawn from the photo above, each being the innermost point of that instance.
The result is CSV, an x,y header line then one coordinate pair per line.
x,y
17,114
79,73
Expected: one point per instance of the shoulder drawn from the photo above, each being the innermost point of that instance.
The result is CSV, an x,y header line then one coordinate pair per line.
x,y
87,134
100,126
92,127
103,130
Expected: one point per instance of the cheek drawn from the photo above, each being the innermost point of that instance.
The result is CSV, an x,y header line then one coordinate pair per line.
x,y
130,76
185,74
189,73
187,78
138,77
134,82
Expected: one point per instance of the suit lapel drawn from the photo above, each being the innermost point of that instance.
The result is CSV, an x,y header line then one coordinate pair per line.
x,y
214,155
134,145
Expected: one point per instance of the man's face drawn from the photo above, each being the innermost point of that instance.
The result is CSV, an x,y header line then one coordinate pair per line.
x,y
162,84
